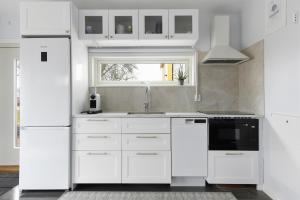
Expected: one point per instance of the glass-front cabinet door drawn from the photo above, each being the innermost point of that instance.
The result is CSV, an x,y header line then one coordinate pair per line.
x,y
153,24
93,24
123,24
183,24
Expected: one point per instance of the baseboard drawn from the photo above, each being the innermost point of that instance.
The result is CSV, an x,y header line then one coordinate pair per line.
x,y
188,181
9,168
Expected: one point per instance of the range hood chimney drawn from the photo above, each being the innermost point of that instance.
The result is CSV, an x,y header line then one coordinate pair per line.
x,y
221,52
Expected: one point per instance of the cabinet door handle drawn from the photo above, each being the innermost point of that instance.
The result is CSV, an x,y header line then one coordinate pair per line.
x,y
97,120
106,36
146,154
111,36
234,154
166,36
97,154
146,137
94,137
172,36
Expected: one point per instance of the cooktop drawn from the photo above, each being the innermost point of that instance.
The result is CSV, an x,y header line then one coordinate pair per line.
x,y
225,113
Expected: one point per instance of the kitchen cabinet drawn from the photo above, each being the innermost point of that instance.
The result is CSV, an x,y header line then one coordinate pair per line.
x,y
85,142
146,125
146,142
93,24
153,24
183,24
97,167
146,167
45,18
123,24
97,125
189,147
233,167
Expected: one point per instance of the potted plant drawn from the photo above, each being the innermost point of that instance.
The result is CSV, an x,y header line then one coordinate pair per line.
x,y
181,76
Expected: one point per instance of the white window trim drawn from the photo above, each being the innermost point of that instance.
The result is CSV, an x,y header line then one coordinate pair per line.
x,y
190,57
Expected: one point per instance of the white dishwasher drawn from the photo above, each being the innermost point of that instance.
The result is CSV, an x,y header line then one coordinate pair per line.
x,y
189,149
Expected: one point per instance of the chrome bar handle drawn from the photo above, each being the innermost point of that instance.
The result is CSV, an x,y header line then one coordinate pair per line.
x,y
146,137
97,120
234,154
146,154
97,154
94,137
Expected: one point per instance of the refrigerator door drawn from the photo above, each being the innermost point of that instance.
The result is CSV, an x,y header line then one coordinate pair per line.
x,y
45,82
45,158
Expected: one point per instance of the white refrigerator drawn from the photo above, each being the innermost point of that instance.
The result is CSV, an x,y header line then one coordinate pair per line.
x,y
45,104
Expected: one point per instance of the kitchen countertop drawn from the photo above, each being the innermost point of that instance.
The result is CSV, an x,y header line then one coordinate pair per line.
x,y
165,115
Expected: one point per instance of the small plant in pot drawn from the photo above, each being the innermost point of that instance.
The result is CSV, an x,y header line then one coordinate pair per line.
x,y
181,76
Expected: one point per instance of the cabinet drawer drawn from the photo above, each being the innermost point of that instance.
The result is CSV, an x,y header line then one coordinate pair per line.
x,y
146,142
146,125
97,125
97,142
146,167
97,166
233,167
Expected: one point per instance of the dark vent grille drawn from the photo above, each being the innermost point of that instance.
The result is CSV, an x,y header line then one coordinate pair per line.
x,y
222,61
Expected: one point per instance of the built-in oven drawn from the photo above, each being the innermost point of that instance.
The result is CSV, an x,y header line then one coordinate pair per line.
x,y
231,133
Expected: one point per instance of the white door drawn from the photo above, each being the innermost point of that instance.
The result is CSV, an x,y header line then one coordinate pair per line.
x,y
93,24
97,166
233,167
189,147
45,18
45,158
123,24
45,82
183,24
153,24
146,167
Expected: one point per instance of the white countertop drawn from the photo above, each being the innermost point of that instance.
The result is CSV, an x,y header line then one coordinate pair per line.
x,y
165,115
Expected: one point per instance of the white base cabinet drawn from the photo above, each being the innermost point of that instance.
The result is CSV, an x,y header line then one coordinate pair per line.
x,y
97,166
232,167
146,167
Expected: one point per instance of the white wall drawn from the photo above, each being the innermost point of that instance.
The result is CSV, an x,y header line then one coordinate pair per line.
x,y
282,123
8,155
253,22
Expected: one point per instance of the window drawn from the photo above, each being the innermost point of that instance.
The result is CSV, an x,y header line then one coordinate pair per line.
x,y
125,70
17,104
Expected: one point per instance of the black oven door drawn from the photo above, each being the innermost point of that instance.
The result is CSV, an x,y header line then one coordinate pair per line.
x,y
233,134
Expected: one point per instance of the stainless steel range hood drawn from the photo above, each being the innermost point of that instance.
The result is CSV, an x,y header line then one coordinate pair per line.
x,y
221,52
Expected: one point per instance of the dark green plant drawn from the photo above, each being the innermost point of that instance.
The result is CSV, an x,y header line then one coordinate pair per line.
x,y
181,75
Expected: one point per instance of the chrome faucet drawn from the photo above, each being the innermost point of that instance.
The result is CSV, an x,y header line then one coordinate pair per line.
x,y
147,99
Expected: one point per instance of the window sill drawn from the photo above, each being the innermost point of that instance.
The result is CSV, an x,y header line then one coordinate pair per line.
x,y
139,85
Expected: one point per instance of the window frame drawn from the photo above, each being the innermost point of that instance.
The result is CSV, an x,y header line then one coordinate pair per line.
x,y
189,58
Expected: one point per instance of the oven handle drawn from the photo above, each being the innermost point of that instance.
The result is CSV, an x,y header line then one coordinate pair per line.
x,y
234,154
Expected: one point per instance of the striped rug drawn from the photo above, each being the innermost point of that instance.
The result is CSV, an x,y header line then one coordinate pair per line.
x,y
78,195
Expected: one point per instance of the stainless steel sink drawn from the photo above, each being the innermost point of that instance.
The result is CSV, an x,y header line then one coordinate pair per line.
x,y
146,113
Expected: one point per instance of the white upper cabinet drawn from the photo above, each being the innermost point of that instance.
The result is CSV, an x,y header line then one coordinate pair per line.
x,y
183,24
153,24
123,24
93,24
45,18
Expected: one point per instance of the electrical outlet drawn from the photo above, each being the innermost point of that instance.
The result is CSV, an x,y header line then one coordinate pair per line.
x,y
295,18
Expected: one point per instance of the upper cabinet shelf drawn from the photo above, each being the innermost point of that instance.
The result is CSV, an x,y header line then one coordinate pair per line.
x,y
155,27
